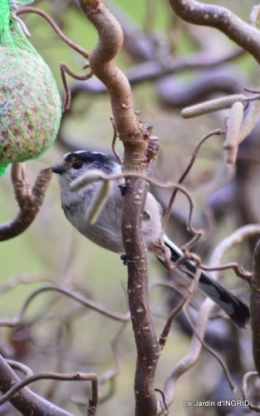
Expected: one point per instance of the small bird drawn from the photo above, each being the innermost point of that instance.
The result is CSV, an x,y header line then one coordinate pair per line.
x,y
106,231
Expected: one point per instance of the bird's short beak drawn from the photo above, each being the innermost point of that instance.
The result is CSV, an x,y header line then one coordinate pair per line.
x,y
57,169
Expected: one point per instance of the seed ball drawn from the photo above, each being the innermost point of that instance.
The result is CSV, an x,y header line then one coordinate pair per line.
x,y
30,106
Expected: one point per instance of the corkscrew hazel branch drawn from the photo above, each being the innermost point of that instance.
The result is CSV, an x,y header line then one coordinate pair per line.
x,y
185,300
61,35
254,307
26,400
186,172
204,312
56,376
64,69
29,201
16,320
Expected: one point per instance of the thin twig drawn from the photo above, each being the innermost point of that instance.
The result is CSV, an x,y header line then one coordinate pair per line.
x,y
61,35
20,367
13,322
117,155
53,376
190,291
93,176
185,173
26,400
246,377
64,69
236,267
211,351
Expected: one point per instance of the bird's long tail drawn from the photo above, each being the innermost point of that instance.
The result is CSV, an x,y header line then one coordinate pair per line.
x,y
234,308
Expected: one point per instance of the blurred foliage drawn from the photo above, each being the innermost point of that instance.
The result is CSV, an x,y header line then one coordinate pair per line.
x,y
50,249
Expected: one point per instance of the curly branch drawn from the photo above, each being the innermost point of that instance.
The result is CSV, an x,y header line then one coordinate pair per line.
x,y
254,307
135,137
242,33
56,376
13,322
29,201
200,326
61,35
26,401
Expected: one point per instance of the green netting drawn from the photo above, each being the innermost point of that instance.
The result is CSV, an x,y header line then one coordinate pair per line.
x,y
30,105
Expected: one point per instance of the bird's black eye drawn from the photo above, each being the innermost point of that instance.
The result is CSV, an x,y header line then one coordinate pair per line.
x,y
77,165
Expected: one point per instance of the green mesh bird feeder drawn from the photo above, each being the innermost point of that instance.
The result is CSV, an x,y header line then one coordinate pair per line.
x,y
30,104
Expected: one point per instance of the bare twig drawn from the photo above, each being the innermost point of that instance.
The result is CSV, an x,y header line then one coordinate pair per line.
x,y
211,351
246,377
29,201
26,400
94,175
61,35
12,322
64,69
237,268
16,280
55,376
187,362
117,155
20,367
190,291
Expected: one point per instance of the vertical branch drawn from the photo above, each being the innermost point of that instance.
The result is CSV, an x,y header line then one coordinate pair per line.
x,y
29,201
255,308
135,137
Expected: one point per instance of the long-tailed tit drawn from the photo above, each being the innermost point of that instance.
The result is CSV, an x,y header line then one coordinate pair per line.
x,y
106,231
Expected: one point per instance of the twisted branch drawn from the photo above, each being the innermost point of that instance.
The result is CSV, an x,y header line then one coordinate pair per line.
x,y
29,201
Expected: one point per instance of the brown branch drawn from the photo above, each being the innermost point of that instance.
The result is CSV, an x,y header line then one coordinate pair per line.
x,y
64,69
84,180
135,139
185,173
211,351
54,376
236,267
244,389
191,358
61,35
26,401
222,19
29,201
190,291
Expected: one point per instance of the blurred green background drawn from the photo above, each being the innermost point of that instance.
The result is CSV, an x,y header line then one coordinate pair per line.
x,y
50,250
